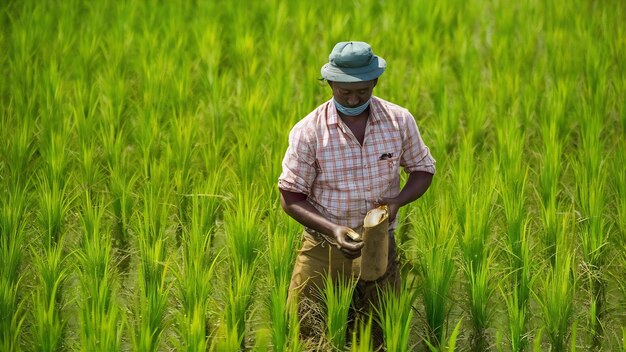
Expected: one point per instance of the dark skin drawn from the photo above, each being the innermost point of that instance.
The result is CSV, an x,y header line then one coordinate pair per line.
x,y
296,204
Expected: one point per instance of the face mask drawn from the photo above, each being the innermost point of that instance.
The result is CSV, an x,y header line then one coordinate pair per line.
x,y
351,111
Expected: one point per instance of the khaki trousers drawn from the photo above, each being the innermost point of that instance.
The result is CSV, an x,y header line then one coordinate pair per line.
x,y
316,259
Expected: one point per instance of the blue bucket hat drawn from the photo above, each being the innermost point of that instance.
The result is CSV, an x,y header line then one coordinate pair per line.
x,y
353,62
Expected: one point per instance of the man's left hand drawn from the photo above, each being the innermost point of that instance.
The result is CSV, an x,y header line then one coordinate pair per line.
x,y
393,206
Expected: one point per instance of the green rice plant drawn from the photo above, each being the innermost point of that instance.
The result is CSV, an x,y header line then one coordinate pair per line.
x,y
181,151
281,256
51,272
148,137
55,156
362,338
239,298
11,310
89,168
54,202
18,148
512,183
474,218
473,240
436,266
447,110
112,139
283,237
594,234
121,191
449,342
285,324
591,200
477,123
243,236
194,278
480,292
153,297
522,274
396,316
83,115
12,246
198,264
620,217
556,296
464,178
49,327
594,241
549,180
517,314
100,313
193,332
516,290
337,295
153,265
13,220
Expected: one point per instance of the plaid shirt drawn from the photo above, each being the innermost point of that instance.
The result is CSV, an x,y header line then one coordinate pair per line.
x,y
343,178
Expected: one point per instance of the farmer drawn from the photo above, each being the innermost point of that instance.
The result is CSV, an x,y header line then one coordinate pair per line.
x,y
344,159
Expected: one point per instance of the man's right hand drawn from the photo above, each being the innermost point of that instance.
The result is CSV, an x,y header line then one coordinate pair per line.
x,y
351,249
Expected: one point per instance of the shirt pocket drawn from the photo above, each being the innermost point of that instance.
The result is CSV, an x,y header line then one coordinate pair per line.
x,y
386,172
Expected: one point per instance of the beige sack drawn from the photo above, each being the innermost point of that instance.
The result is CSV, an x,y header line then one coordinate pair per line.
x,y
372,264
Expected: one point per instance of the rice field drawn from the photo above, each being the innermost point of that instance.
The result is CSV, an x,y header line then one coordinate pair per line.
x,y
141,142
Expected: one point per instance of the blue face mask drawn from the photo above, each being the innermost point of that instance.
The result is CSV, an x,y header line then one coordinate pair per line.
x,y
351,111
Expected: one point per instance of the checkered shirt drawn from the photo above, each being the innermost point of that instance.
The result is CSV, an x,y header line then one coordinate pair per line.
x,y
342,178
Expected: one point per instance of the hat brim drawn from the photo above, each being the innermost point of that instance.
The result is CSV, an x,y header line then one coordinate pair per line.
x,y
354,74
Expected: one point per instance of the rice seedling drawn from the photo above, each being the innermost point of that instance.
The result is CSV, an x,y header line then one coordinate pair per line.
x,y
337,295
516,291
362,336
153,287
281,256
153,296
556,296
517,314
19,149
48,328
12,252
122,203
100,313
181,151
243,237
239,298
436,266
83,114
590,199
285,324
473,240
396,317
194,278
449,343
548,190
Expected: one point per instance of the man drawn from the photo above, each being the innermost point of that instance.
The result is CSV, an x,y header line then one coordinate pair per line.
x,y
343,160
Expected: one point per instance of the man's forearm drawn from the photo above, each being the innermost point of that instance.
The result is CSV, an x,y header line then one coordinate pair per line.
x,y
296,206
415,186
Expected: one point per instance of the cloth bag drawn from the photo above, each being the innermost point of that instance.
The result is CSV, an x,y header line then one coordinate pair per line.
x,y
372,264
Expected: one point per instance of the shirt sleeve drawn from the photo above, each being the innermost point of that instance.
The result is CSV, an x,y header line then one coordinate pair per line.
x,y
298,166
415,154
